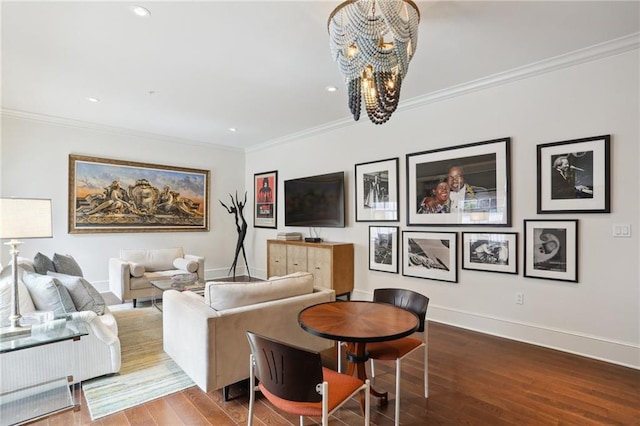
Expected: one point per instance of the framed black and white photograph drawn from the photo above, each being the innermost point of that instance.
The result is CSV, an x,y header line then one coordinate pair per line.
x,y
551,249
491,252
431,255
377,191
265,187
383,248
466,185
574,176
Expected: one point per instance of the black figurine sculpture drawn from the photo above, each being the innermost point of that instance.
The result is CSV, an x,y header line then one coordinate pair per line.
x,y
237,209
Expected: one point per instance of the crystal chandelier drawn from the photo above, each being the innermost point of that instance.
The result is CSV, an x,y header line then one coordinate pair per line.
x,y
373,42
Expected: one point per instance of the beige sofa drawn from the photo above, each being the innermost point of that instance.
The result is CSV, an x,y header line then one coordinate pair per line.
x,y
206,336
131,273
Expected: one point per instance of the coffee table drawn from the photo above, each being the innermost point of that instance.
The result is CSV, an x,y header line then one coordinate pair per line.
x,y
162,285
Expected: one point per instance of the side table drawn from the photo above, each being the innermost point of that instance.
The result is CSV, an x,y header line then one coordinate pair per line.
x,y
48,387
162,285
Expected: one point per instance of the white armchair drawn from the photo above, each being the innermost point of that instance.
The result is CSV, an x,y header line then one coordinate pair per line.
x,y
131,272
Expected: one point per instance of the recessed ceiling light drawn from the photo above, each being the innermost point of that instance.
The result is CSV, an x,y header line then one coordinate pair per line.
x,y
94,100
141,11
331,89
233,129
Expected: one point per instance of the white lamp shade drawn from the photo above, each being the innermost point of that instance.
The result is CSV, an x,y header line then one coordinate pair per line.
x,y
25,218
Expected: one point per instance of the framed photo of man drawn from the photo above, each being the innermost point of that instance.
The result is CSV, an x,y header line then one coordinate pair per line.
x,y
465,185
383,248
265,200
551,249
574,176
377,191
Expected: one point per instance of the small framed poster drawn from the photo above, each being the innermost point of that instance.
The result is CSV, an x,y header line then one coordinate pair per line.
x,y
383,248
551,249
430,255
491,252
265,195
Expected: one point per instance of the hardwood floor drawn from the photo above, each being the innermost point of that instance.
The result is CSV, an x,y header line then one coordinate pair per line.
x,y
474,378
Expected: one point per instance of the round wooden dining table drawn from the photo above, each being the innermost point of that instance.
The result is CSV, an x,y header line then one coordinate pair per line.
x,y
358,323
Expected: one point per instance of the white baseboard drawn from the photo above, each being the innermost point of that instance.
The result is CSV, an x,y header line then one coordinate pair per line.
x,y
615,352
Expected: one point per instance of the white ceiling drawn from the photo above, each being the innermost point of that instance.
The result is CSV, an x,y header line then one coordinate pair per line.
x,y
193,69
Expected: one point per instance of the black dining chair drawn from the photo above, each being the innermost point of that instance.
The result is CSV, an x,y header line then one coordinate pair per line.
x,y
400,348
294,380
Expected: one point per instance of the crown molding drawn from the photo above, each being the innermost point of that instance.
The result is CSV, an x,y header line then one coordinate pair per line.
x,y
588,54
66,122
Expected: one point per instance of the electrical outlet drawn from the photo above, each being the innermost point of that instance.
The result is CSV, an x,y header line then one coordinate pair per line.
x,y
520,298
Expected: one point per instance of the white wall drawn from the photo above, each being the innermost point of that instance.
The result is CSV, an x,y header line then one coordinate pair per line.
x,y
34,163
599,316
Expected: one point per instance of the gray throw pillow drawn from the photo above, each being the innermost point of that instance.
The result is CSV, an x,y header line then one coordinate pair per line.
x,y
42,264
66,264
85,297
48,294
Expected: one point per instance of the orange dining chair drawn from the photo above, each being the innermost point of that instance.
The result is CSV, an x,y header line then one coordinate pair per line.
x,y
294,380
400,348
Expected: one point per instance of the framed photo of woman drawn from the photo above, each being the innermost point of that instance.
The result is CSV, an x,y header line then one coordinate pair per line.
x,y
465,185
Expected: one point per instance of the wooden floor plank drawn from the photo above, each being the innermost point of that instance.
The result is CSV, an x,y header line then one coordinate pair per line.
x,y
473,379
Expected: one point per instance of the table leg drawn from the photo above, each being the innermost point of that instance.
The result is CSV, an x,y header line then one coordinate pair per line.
x,y
356,358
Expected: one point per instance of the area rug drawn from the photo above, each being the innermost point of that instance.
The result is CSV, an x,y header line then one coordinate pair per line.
x,y
147,371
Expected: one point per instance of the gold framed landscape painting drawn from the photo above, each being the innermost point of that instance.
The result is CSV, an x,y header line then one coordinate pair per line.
x,y
108,195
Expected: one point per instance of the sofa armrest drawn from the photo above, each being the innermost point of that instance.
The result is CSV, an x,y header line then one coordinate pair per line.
x,y
187,332
200,261
119,277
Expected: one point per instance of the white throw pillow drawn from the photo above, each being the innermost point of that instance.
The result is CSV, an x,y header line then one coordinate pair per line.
x,y
136,269
48,294
185,265
6,288
85,297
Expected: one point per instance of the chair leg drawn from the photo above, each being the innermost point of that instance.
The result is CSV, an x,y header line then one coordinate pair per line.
x,y
252,390
373,369
426,371
339,350
134,303
398,371
367,403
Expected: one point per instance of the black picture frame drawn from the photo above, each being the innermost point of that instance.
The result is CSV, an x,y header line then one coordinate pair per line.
x,y
384,248
484,200
377,190
490,252
574,176
265,199
551,249
430,255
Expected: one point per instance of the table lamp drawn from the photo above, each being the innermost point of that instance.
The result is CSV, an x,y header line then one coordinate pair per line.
x,y
21,218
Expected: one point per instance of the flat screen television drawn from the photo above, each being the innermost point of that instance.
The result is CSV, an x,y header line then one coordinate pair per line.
x,y
315,201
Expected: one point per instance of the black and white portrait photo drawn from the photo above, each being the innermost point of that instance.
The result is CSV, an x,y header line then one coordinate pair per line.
x,y
376,191
549,253
572,175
